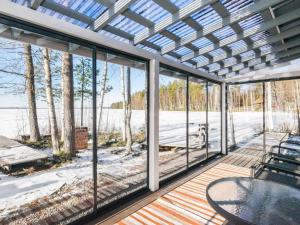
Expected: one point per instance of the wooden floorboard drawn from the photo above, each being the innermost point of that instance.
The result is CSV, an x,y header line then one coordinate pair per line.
x,y
187,203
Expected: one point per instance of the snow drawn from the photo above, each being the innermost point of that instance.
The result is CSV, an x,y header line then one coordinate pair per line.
x,y
16,191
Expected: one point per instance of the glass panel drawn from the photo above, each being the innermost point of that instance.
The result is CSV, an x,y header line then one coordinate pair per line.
x,y
122,127
282,111
46,174
214,118
245,117
197,120
172,123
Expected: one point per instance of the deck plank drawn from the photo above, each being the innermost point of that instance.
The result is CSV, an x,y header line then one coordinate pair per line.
x,y
187,203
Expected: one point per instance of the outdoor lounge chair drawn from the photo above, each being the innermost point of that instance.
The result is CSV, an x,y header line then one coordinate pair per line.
x,y
288,148
282,163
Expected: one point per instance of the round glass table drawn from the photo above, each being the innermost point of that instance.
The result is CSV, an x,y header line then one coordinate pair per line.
x,y
243,200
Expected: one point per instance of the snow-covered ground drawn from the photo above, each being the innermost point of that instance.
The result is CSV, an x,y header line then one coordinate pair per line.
x,y
16,191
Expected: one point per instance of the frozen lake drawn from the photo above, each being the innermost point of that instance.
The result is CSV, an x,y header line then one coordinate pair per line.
x,y
172,123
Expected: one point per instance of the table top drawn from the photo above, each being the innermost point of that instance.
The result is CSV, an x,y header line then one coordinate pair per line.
x,y
243,200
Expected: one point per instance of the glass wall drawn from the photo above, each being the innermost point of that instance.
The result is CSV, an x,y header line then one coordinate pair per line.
x,y
214,118
172,123
282,110
262,114
46,158
245,116
197,120
121,127
189,121
46,135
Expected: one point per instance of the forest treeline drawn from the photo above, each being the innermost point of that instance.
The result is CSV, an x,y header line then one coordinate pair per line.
x,y
279,96
172,97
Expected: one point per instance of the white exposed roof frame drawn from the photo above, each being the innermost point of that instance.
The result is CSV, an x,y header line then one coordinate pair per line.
x,y
282,55
181,14
268,41
272,24
263,27
261,76
28,15
111,13
227,21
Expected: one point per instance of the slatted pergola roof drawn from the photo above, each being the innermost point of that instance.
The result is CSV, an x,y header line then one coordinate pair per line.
x,y
222,37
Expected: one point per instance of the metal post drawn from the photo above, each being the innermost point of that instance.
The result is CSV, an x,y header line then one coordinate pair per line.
x,y
154,125
95,158
207,126
264,117
187,121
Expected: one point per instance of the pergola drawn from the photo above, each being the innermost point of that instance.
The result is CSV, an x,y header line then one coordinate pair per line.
x,y
223,38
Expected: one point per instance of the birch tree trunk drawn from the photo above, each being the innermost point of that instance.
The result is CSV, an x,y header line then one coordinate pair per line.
x,y
62,111
128,112
30,91
269,106
50,102
82,93
122,74
102,93
297,105
232,133
68,98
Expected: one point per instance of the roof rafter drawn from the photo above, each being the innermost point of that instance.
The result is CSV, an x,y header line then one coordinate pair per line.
x,y
36,3
223,12
281,57
270,40
261,55
64,10
111,13
254,30
181,14
167,5
231,19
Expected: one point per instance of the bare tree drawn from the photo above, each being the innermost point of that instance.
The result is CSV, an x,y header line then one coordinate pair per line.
x,y
50,102
128,112
30,90
269,106
231,122
103,90
62,111
123,93
68,98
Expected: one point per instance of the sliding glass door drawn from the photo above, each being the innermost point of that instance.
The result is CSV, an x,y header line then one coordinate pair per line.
x,y
172,123
52,173
121,127
246,117
197,125
189,121
213,118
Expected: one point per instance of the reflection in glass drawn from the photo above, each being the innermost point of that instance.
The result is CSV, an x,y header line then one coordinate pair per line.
x,y
282,110
172,124
121,127
245,116
197,120
46,129
214,118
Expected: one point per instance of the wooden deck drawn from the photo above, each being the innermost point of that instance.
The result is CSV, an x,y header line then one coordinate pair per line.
x,y
18,156
184,202
187,203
